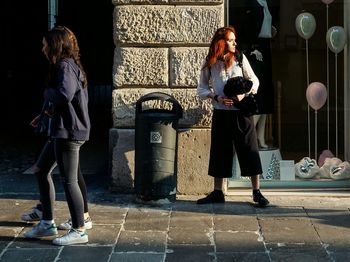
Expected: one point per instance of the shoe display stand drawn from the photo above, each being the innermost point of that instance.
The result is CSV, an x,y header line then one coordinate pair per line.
x,y
280,174
270,159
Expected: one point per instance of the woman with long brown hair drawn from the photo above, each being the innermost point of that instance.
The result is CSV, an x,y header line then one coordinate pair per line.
x,y
69,128
230,127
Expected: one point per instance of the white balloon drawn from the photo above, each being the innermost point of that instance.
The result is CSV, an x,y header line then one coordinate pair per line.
x,y
305,24
316,95
327,2
336,39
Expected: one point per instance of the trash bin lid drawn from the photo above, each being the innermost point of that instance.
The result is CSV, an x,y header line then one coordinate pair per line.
x,y
176,110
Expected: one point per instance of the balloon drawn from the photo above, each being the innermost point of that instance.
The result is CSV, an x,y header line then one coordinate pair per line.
x,y
305,24
327,2
316,95
336,39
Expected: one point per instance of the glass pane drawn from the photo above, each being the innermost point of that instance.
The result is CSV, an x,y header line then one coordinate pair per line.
x,y
290,63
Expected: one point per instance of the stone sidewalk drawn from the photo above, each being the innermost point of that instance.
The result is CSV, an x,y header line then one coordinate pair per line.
x,y
294,228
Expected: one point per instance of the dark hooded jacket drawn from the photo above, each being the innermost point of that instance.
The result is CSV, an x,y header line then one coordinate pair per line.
x,y
70,119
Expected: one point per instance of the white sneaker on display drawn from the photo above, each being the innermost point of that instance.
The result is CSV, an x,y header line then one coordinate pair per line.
x,y
73,236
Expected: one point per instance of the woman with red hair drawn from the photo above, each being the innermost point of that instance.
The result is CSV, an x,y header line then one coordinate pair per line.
x,y
230,127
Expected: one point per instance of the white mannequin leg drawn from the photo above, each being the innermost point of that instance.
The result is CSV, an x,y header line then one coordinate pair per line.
x,y
260,121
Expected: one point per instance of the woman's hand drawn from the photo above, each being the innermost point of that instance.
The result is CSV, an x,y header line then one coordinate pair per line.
x,y
240,97
35,121
225,101
49,112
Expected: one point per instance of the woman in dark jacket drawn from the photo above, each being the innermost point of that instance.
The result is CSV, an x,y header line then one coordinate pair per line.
x,y
69,128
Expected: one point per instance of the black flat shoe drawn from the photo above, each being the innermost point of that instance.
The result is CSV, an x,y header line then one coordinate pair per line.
x,y
214,197
260,200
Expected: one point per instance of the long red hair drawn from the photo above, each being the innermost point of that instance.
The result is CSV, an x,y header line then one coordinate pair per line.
x,y
218,46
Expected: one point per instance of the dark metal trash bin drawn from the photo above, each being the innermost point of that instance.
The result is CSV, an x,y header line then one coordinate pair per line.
x,y
156,148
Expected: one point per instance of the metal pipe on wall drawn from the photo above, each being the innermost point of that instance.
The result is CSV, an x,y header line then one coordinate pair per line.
x,y
347,82
52,13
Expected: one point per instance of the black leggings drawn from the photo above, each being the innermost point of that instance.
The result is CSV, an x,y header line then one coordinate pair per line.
x,y
67,157
46,163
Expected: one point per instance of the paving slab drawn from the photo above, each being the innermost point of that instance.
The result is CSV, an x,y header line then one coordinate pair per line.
x,y
195,222
190,253
243,257
108,217
300,257
141,241
282,211
238,242
139,257
340,256
85,253
294,228
147,219
104,234
291,230
230,222
243,207
187,236
34,255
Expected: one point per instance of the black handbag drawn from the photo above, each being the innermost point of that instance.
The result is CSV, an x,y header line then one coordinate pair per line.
x,y
248,105
42,127
237,86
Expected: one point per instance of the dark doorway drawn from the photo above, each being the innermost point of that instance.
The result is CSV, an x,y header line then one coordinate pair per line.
x,y
23,65
23,70
92,23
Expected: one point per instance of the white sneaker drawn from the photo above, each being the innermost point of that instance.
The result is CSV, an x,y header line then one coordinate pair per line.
x,y
34,215
68,224
41,230
72,237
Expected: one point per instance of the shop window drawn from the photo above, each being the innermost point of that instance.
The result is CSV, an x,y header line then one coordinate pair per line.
x,y
293,129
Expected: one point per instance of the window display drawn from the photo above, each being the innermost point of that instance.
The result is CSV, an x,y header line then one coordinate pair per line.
x,y
296,50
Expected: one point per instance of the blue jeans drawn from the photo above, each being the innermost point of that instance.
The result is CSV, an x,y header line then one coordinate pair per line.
x,y
67,157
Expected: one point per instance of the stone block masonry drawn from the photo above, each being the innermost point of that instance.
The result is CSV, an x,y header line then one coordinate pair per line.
x,y
160,46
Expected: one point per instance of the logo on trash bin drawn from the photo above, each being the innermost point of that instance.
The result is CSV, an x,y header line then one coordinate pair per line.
x,y
156,137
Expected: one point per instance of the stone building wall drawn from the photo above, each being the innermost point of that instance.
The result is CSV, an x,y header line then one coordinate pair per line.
x,y
159,46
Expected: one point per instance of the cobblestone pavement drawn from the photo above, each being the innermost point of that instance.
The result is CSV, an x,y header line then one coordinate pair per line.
x,y
293,228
